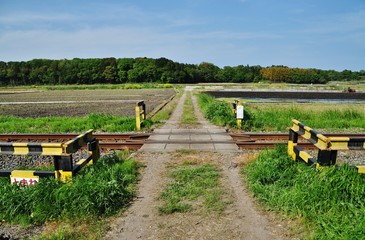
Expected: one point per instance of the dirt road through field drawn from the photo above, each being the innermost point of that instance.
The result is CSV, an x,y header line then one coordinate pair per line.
x,y
240,218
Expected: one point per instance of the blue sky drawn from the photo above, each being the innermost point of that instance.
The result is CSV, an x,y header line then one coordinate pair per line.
x,y
325,34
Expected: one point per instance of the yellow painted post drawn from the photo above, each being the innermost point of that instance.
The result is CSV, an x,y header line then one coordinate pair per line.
x,y
239,113
63,176
138,118
361,169
140,114
63,167
292,142
239,123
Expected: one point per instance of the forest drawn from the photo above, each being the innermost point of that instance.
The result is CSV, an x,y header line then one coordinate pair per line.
x,y
160,70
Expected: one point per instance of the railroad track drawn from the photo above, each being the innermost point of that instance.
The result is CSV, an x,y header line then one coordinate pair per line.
x,y
135,141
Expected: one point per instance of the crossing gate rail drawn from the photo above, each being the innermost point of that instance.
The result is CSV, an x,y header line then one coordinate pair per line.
x,y
64,168
327,146
140,114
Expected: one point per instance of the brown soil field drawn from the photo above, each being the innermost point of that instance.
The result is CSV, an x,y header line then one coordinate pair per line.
x,y
80,102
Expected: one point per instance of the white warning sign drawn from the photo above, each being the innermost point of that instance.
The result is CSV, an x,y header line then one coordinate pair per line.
x,y
239,112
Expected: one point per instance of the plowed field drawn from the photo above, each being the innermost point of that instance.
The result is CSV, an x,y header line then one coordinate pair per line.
x,y
79,102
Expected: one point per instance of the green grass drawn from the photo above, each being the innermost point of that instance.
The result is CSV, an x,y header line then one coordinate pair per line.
x,y
98,122
269,117
218,112
329,202
97,190
275,118
81,229
165,113
188,116
193,186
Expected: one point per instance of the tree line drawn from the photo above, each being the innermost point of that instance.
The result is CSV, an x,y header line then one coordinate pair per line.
x,y
161,70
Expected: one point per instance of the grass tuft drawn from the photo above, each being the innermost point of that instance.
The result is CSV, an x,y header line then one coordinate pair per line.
x,y
98,190
188,116
317,117
193,186
330,200
98,122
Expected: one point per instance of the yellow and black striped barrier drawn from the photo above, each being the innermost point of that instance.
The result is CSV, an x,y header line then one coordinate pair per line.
x,y
64,168
327,146
140,114
360,169
309,134
347,143
302,155
48,149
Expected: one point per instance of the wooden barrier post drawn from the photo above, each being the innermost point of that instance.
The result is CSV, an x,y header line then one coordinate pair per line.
x,y
140,114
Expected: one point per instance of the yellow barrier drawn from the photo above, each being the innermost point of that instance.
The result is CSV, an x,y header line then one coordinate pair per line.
x,y
328,146
140,114
64,168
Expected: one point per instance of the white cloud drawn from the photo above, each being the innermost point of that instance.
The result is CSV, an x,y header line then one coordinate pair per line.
x,y
32,18
130,31
186,46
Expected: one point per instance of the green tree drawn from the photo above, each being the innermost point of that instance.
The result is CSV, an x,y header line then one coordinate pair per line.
x,y
124,65
3,73
208,72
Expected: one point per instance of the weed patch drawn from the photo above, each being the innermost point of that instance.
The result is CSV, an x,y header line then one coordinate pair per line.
x,y
275,118
193,186
98,190
218,112
330,200
188,116
84,229
261,117
167,111
98,122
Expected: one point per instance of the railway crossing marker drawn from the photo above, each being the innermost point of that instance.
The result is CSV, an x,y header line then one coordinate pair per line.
x,y
327,146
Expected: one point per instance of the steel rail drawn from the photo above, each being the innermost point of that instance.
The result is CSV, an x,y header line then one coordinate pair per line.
x,y
118,141
263,145
68,136
285,136
126,136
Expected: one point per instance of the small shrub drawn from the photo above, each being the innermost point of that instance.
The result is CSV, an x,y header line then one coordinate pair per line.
x,y
219,113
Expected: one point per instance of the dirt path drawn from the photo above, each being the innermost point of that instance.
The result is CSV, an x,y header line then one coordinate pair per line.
x,y
240,219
